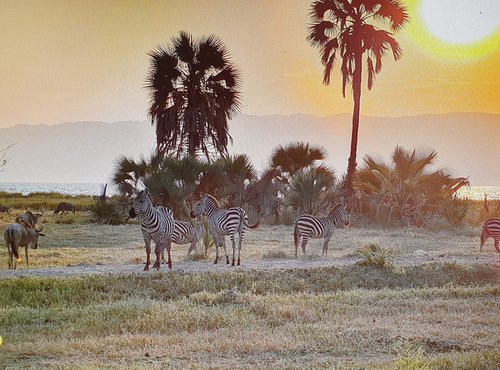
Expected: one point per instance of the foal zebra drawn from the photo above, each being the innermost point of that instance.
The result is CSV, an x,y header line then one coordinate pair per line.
x,y
223,222
491,227
308,226
157,224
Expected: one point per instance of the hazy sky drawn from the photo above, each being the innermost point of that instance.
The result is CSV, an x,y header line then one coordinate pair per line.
x,y
87,60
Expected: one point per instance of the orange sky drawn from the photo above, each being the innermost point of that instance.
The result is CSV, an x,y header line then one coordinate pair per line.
x,y
87,60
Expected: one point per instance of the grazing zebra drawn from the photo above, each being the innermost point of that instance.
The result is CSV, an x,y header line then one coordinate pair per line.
x,y
157,224
185,233
308,226
223,222
491,227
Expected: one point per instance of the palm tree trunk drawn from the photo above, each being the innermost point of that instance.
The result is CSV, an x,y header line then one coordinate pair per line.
x,y
356,89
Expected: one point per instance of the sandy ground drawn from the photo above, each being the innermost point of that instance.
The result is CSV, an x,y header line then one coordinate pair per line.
x,y
269,247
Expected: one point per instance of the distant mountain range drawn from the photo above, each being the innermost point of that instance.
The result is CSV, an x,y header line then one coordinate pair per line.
x,y
468,144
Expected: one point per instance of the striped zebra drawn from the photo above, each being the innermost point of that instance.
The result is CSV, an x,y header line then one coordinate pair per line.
x,y
223,222
308,226
491,227
157,224
185,233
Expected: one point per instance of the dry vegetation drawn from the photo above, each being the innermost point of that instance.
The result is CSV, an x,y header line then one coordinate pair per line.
x,y
432,303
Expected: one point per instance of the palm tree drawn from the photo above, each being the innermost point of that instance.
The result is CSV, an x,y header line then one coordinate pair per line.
x,y
289,159
311,189
194,90
238,174
406,186
341,28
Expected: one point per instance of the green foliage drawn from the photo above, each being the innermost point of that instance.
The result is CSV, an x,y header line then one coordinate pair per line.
x,y
311,190
406,191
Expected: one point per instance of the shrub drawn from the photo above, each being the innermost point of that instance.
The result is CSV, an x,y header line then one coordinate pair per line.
x,y
374,255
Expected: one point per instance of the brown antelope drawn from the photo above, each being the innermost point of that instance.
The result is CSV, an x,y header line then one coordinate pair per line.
x,y
18,235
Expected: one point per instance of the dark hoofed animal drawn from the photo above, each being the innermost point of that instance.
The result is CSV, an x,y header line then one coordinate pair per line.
x,y
63,207
157,224
309,226
223,222
491,227
17,235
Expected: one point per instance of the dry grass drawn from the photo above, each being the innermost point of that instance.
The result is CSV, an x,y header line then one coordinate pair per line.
x,y
435,315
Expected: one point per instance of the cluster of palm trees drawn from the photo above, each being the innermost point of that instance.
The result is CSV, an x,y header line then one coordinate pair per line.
x,y
296,178
195,90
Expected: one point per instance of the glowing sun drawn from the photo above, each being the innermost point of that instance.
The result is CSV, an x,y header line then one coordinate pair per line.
x,y
459,29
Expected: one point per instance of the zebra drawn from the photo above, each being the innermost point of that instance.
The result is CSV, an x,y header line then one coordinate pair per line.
x,y
185,233
308,226
491,227
157,224
223,222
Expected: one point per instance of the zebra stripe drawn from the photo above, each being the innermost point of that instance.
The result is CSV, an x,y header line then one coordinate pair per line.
x,y
157,224
223,222
491,227
309,226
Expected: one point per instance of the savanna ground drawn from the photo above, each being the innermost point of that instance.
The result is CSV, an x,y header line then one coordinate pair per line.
x,y
420,299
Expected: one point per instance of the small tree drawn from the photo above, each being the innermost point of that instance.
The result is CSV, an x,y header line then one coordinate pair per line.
x,y
3,156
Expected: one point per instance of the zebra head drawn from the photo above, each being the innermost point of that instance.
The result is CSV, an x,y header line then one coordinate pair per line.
x,y
141,204
339,213
205,206
199,208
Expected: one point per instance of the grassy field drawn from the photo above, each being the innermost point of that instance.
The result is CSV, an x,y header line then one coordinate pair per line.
x,y
439,313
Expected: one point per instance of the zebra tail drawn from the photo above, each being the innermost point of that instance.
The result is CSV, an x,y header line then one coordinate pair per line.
x,y
252,226
295,235
12,246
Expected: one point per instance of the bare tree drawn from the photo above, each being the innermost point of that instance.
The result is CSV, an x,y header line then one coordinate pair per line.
x,y
3,156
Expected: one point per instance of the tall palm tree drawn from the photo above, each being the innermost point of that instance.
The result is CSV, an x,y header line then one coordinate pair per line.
x,y
342,28
194,90
289,159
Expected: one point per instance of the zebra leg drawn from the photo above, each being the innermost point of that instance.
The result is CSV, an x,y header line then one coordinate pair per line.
x,y
158,251
296,239
325,245
304,243
169,247
497,241
233,244
192,247
223,242
239,247
147,241
216,240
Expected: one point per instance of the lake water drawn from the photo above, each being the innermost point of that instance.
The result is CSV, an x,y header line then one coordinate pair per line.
x,y
473,192
26,188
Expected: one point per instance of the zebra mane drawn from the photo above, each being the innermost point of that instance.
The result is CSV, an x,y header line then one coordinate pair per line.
x,y
335,207
214,199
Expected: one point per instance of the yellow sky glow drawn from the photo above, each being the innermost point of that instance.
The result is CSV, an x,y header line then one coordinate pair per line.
x,y
87,60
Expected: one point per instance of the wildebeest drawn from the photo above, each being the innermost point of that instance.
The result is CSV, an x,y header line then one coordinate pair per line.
x,y
28,219
65,207
18,235
5,209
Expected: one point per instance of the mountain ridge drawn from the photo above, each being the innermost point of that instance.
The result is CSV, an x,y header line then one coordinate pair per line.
x,y
87,151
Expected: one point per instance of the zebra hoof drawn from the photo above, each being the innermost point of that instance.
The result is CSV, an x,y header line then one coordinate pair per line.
x,y
232,264
215,262
227,261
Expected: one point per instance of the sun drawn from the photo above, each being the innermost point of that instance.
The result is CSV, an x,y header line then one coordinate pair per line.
x,y
457,29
